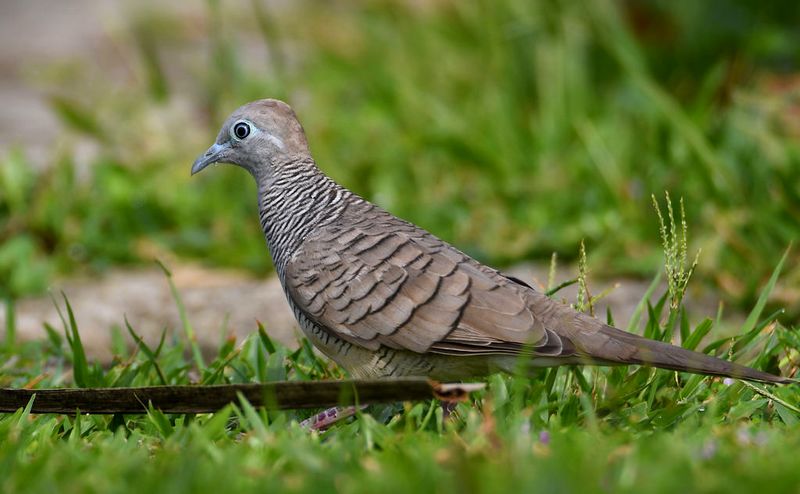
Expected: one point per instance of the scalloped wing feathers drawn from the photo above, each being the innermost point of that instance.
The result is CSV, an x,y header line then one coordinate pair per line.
x,y
406,289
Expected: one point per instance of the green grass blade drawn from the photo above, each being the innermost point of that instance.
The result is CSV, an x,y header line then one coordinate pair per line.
x,y
755,314
696,336
191,337
560,287
265,339
152,357
80,366
643,303
159,421
251,417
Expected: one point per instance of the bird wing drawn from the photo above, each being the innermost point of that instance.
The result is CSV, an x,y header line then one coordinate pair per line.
x,y
391,283
404,288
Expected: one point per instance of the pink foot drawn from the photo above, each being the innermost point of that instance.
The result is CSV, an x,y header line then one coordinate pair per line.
x,y
323,420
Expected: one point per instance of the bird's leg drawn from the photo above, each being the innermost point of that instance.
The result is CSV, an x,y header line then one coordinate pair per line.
x,y
448,407
323,420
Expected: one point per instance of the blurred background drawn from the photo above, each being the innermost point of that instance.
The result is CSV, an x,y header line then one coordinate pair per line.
x,y
513,129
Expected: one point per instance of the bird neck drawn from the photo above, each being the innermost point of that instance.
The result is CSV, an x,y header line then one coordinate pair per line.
x,y
293,201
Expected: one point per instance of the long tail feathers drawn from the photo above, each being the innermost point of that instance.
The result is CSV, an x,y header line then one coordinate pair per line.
x,y
603,343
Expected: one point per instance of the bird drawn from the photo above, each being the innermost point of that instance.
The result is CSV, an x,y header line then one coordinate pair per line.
x,y
385,298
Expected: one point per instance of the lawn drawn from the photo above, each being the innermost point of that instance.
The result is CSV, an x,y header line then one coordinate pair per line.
x,y
569,429
512,129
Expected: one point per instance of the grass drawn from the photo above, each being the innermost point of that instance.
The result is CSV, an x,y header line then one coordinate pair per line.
x,y
572,429
514,129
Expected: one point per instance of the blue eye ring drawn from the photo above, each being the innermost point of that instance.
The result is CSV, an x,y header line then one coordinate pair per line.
x,y
240,130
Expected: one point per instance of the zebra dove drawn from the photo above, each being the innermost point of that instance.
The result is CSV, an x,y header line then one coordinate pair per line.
x,y
383,297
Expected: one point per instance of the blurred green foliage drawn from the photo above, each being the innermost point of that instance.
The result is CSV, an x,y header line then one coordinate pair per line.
x,y
513,129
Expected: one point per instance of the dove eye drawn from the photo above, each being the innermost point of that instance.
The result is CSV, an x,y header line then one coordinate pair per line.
x,y
240,130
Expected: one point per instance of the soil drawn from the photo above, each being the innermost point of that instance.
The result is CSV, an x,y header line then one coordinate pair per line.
x,y
222,303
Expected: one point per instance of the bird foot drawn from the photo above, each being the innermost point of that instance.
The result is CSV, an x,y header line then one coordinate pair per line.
x,y
323,420
448,407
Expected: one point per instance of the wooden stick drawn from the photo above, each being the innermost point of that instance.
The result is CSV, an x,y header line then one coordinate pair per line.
x,y
280,395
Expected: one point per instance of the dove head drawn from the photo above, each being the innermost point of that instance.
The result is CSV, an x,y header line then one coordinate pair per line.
x,y
258,137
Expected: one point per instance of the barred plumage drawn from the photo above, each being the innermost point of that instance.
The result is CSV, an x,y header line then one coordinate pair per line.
x,y
383,297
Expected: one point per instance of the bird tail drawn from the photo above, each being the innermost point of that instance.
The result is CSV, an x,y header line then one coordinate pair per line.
x,y
605,344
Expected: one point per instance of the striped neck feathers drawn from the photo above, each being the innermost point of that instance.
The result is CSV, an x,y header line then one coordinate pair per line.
x,y
295,201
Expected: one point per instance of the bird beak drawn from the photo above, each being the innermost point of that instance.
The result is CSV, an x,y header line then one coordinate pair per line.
x,y
211,156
